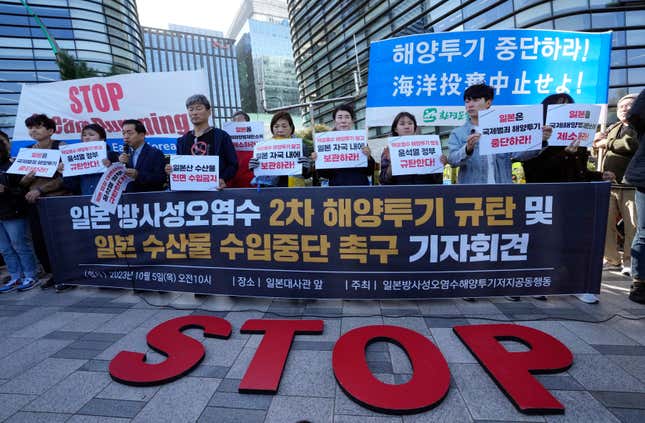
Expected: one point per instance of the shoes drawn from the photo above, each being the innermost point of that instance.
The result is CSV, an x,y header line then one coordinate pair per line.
x,y
540,297
627,271
9,286
48,283
587,298
513,298
637,292
607,265
59,287
27,284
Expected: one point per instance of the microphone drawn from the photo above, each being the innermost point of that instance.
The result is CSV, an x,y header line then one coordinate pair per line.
x,y
126,149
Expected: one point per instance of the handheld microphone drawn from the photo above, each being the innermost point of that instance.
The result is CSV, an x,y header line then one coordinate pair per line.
x,y
126,149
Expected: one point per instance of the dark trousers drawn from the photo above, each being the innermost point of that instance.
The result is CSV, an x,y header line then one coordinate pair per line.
x,y
38,237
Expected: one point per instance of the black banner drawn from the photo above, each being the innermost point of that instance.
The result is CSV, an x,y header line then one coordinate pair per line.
x,y
433,241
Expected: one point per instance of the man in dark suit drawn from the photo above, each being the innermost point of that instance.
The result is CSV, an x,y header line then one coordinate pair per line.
x,y
145,163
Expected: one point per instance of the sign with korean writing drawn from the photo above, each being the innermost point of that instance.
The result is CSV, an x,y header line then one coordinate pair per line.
x,y
415,154
83,158
427,74
108,191
157,99
194,173
43,162
245,134
509,129
573,123
354,242
340,149
278,157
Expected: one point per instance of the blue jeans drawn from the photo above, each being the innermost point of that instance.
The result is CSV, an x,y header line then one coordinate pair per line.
x,y
638,245
17,248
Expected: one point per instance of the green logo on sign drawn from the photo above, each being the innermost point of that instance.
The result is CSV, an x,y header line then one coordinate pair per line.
x,y
429,115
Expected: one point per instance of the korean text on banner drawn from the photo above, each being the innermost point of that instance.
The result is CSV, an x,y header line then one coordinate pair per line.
x,y
340,149
573,122
278,157
83,158
244,134
108,191
510,129
194,173
427,74
156,99
43,162
415,154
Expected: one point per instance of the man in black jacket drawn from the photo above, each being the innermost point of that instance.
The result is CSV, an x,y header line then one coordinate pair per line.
x,y
145,163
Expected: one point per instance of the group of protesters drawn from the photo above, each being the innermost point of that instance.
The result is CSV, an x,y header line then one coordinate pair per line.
x,y
23,248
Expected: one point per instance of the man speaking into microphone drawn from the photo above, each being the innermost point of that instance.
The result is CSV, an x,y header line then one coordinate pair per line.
x,y
145,163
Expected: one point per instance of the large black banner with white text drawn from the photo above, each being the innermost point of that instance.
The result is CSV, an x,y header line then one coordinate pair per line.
x,y
432,241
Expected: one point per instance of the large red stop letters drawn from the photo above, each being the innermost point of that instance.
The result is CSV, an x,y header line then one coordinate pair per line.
x,y
512,371
427,387
183,352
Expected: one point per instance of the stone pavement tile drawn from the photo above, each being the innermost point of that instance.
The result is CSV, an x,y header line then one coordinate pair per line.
x,y
399,359
220,352
61,334
46,325
451,409
580,407
480,306
237,400
95,419
29,417
445,322
26,319
331,332
380,367
345,418
438,307
241,364
84,385
416,324
320,312
181,401
99,310
598,373
308,373
12,403
560,381
343,404
361,308
133,341
9,345
229,385
631,328
633,366
203,370
76,353
636,311
102,336
349,323
292,409
250,303
593,333
483,398
231,415
126,321
312,346
95,366
453,350
620,399
633,350
628,416
118,391
29,355
43,376
88,322
487,319
112,408
564,335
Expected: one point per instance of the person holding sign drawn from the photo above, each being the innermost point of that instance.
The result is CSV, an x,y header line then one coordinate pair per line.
x,y
406,124
464,148
145,164
344,118
244,175
86,184
282,128
205,140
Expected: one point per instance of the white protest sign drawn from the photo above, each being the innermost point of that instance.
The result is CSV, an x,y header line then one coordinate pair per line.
x,y
278,157
572,122
110,188
83,158
510,129
43,162
415,154
194,173
340,149
245,134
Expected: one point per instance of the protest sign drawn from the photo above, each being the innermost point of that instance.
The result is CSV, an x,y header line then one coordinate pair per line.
x,y
510,129
244,134
83,158
108,191
43,162
572,122
194,173
340,149
427,74
415,154
156,99
278,157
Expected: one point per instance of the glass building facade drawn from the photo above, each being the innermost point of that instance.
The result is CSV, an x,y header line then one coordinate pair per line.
x,y
324,35
168,51
105,34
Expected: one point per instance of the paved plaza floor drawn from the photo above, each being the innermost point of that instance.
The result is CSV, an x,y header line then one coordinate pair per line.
x,y
55,349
